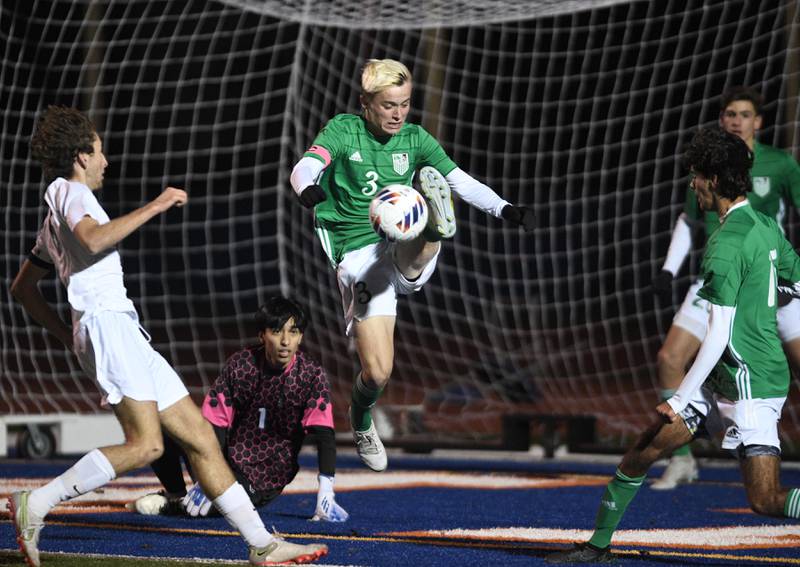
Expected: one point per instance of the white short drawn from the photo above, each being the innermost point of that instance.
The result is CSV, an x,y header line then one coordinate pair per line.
x,y
746,422
113,349
370,282
693,313
789,321
693,316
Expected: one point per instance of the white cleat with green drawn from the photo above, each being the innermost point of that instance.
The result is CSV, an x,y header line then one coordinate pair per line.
x,y
27,526
281,552
436,190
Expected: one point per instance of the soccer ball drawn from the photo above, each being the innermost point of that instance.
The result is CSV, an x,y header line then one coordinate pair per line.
x,y
398,213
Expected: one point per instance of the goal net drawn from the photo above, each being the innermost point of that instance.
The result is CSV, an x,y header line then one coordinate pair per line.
x,y
578,109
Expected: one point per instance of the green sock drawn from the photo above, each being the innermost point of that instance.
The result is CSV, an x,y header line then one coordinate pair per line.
x,y
683,450
791,509
361,402
619,493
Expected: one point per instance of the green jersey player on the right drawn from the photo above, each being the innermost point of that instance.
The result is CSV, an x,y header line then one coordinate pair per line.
x,y
775,185
743,398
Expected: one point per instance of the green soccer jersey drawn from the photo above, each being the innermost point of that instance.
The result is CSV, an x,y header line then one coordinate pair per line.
x,y
359,164
776,180
741,264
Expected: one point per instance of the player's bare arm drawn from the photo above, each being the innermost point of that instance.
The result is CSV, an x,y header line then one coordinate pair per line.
x,y
25,289
96,237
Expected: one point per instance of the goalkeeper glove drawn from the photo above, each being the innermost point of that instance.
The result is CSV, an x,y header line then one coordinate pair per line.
x,y
311,196
196,503
520,215
327,508
662,285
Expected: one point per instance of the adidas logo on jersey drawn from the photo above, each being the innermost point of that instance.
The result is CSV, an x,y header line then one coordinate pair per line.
x,y
356,156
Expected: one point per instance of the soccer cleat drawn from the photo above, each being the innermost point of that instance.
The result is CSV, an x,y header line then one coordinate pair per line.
x,y
370,448
582,553
682,469
436,190
157,503
27,527
281,552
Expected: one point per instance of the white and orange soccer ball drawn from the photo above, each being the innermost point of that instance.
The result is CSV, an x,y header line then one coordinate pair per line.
x,y
398,213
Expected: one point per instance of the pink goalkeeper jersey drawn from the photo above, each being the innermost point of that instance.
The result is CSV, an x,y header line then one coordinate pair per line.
x,y
266,413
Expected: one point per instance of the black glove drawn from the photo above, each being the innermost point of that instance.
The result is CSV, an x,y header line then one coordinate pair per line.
x,y
662,285
311,195
521,216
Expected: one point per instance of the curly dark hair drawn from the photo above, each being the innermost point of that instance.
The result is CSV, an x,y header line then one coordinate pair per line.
x,y
713,152
733,94
59,135
277,310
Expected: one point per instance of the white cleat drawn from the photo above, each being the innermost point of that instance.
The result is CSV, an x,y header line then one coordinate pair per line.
x,y
149,505
682,469
370,448
281,552
27,526
436,190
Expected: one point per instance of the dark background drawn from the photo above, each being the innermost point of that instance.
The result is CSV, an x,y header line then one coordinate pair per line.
x,y
580,115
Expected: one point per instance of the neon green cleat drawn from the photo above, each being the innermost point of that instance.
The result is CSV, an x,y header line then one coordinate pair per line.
x,y
27,526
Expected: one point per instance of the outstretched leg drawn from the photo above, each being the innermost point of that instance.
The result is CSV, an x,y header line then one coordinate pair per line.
x,y
657,440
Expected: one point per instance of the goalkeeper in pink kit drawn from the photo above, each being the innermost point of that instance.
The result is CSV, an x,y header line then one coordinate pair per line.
x,y
266,400
350,160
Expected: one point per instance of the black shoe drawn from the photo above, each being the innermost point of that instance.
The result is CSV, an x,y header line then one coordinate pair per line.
x,y
582,553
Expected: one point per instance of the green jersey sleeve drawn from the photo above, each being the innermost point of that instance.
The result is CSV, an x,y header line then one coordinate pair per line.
x,y
431,153
792,176
723,270
329,143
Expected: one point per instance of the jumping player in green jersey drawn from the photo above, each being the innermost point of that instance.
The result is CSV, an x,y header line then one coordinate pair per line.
x,y
749,378
351,159
776,182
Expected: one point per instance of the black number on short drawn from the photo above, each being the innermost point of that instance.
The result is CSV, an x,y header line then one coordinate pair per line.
x,y
362,295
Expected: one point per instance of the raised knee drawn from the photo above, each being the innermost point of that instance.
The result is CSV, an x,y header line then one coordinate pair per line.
x,y
377,372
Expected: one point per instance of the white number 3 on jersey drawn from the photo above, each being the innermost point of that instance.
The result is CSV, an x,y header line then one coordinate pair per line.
x,y
372,181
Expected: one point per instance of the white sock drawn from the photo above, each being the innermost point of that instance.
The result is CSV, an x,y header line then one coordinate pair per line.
x,y
236,507
92,471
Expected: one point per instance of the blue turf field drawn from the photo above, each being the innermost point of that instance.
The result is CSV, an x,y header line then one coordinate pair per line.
x,y
408,526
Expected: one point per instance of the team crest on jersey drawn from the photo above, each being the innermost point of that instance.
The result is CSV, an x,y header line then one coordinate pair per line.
x,y
400,163
761,186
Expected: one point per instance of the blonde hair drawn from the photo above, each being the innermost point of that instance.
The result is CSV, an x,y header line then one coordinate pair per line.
x,y
380,74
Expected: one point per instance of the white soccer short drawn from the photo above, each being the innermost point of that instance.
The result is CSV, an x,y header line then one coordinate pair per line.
x,y
370,282
693,313
789,321
693,316
112,348
746,422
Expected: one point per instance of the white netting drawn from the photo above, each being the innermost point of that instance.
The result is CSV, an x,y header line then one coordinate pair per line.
x,y
579,114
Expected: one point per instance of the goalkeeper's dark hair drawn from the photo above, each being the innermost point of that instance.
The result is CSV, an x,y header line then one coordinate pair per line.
x,y
713,152
277,310
732,94
60,134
